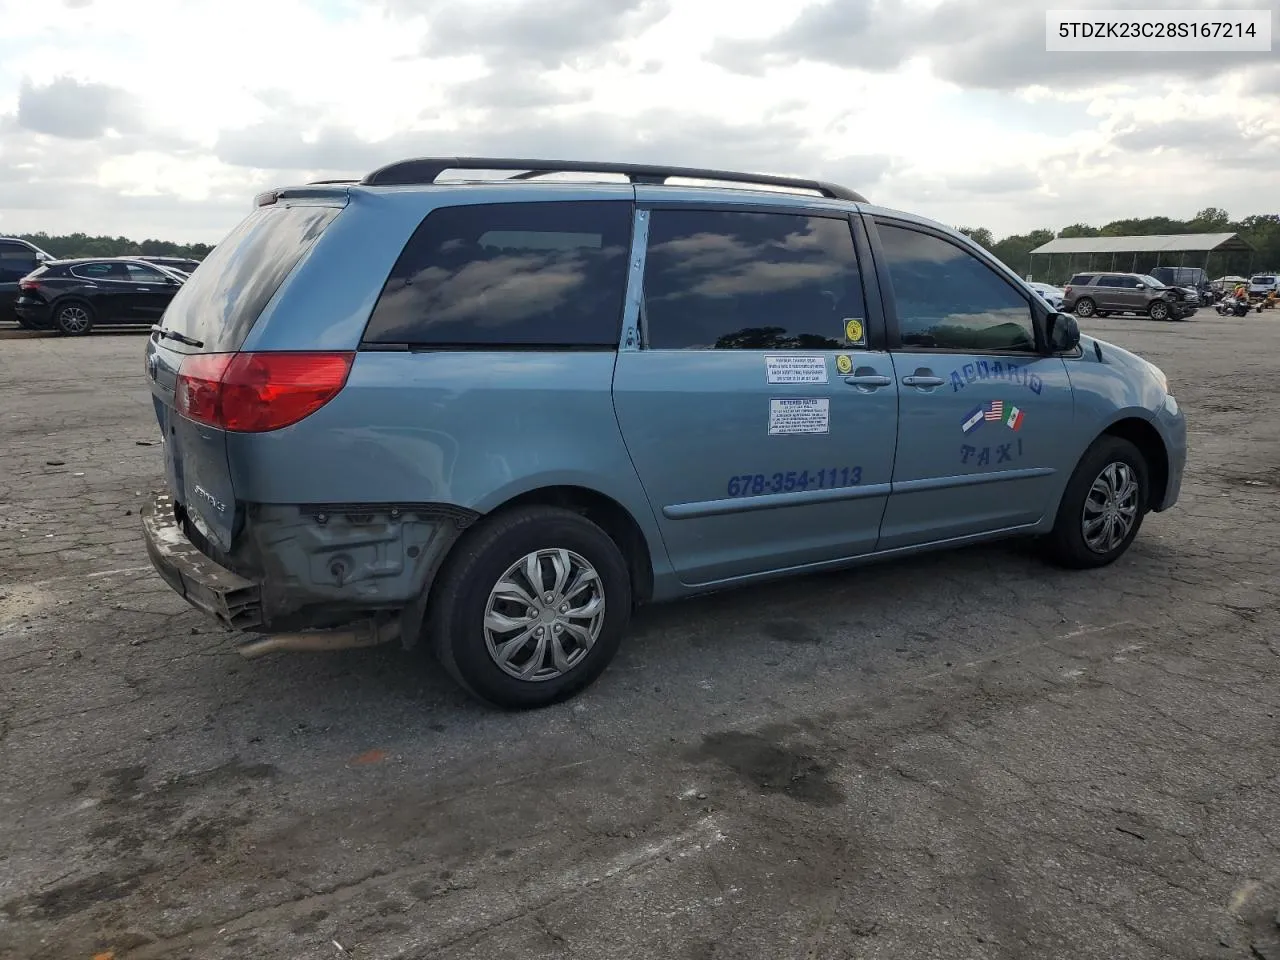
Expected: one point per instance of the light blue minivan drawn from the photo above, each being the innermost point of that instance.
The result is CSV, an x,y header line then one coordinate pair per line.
x,y
491,415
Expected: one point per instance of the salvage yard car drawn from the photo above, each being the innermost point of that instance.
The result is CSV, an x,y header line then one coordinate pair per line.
x,y
1087,294
73,295
491,417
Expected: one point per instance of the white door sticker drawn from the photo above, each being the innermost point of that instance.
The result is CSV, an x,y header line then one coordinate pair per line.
x,y
796,369
802,415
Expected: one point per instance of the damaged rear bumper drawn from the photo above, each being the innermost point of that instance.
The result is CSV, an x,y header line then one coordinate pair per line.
x,y
203,583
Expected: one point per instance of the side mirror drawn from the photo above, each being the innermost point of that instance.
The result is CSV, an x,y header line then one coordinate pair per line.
x,y
1063,332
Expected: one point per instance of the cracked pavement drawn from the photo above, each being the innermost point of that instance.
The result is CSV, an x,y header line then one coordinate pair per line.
x,y
965,755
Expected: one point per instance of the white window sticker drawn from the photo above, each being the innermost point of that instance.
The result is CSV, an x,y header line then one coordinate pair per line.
x,y
796,369
801,415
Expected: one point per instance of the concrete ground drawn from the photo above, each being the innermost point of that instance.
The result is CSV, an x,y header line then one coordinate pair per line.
x,y
969,755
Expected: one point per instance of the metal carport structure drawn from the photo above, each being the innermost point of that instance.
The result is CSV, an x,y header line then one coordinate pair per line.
x,y
1169,250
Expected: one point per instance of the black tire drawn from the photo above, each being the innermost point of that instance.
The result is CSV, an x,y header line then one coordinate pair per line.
x,y
73,318
1158,310
461,595
1085,307
1066,544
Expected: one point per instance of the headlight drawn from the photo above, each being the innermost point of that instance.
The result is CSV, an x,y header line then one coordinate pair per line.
x,y
1159,375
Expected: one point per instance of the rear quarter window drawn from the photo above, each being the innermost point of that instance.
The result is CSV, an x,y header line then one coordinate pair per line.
x,y
509,275
1081,279
219,304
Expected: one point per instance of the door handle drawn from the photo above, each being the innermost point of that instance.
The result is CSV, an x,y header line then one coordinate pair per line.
x,y
871,380
918,381
144,289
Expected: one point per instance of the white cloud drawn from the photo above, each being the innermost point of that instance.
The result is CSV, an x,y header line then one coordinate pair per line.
x,y
150,117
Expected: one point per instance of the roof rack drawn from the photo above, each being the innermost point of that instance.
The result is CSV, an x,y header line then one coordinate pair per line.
x,y
424,170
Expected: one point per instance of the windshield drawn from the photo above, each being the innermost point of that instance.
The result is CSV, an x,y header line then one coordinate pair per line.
x,y
1263,280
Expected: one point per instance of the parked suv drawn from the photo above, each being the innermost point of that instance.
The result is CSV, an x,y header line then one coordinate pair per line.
x,y
492,417
1263,284
1088,294
73,295
17,259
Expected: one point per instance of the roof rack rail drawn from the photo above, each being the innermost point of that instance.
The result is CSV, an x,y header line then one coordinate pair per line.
x,y
316,183
424,170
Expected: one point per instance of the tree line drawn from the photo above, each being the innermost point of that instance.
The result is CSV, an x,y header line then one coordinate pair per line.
x,y
72,245
1262,231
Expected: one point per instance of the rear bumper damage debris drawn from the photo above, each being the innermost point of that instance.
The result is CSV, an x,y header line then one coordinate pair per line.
x,y
310,578
203,583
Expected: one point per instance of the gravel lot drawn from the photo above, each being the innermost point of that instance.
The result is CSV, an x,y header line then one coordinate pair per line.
x,y
960,756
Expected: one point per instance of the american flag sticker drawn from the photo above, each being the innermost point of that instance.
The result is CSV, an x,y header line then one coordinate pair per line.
x,y
994,411
1014,420
973,419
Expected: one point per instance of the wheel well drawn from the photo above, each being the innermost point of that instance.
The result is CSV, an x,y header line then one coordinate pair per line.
x,y
1147,439
611,517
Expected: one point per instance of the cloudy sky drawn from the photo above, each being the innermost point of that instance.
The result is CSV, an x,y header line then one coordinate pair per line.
x,y
161,118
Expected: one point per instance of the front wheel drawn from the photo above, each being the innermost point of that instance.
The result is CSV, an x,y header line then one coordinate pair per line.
x,y
1158,310
1103,506
531,607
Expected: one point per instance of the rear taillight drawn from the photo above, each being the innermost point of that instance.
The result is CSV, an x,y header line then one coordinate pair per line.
x,y
257,392
1066,291
31,285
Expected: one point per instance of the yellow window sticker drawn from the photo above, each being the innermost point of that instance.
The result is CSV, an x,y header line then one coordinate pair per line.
x,y
844,364
854,332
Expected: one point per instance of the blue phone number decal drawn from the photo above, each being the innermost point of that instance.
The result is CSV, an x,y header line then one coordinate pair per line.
x,y
755,484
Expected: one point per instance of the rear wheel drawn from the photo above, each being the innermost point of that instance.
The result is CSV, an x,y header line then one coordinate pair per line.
x,y
531,607
73,318
1103,506
1085,307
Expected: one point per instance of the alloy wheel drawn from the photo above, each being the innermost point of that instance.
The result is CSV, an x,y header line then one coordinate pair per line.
x,y
544,615
1111,508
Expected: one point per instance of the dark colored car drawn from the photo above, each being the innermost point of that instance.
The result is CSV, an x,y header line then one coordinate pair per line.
x,y
182,264
73,295
17,259
1193,279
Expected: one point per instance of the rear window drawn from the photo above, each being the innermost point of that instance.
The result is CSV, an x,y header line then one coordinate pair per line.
x,y
219,304
541,274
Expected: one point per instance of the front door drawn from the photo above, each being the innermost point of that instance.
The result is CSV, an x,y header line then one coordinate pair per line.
x,y
982,411
150,292
759,408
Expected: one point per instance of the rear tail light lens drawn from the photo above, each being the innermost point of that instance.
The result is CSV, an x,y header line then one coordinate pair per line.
x,y
1067,291
258,392
31,285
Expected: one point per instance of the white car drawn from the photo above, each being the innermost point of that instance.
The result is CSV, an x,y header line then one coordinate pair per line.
x,y
1262,284
1051,295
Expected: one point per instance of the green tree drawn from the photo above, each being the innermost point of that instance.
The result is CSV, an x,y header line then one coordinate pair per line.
x,y
979,235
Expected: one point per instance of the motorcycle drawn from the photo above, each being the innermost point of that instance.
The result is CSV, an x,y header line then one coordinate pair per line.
x,y
1233,306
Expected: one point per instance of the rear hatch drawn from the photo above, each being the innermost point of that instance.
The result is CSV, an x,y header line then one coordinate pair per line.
x,y
199,335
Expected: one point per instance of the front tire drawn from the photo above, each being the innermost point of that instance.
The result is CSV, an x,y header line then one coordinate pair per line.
x,y
1158,310
1103,506
73,318
531,607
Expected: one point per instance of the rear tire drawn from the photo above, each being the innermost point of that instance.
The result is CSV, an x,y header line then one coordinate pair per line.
x,y
1102,507
1085,307
73,318
571,630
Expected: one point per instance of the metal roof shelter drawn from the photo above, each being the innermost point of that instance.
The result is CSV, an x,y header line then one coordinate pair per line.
x,y
1167,249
